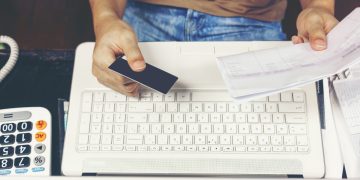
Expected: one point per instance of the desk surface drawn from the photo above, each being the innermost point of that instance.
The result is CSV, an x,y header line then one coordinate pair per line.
x,y
39,78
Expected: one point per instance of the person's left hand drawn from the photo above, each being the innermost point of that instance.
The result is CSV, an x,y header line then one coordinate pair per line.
x,y
313,25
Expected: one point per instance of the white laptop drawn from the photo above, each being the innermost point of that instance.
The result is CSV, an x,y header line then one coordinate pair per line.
x,y
195,129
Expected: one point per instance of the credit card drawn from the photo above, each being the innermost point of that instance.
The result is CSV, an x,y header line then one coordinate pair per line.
x,y
151,76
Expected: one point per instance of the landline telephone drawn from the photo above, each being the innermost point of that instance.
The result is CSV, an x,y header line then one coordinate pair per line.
x,y
25,133
14,53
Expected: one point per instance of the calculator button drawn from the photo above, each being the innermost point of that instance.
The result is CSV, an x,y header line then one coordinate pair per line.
x,y
4,172
6,163
40,136
21,171
39,160
39,148
22,162
7,139
38,169
23,138
23,150
24,126
41,124
6,151
23,115
8,128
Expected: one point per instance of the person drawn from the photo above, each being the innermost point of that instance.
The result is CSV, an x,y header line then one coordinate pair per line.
x,y
120,24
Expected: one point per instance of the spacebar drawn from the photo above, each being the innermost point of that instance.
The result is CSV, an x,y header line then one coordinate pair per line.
x,y
213,96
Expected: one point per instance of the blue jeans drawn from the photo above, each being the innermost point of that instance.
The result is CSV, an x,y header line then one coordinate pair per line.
x,y
164,23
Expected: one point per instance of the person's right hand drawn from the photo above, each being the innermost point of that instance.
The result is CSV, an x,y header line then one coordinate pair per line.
x,y
114,37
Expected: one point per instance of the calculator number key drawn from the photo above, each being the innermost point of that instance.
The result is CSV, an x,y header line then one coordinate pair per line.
x,y
24,126
23,138
7,139
6,163
6,151
8,128
23,150
22,162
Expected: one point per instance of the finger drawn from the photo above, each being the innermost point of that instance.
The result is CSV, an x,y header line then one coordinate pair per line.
x,y
108,79
297,39
103,56
131,87
317,37
133,53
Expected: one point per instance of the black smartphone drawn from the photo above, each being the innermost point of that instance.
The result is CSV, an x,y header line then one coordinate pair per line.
x,y
151,76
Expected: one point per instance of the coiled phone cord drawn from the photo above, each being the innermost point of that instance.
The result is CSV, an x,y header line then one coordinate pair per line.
x,y
14,53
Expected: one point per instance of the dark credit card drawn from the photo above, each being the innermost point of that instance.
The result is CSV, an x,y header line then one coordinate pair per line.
x,y
152,76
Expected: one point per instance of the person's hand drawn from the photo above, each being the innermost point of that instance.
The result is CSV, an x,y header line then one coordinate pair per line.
x,y
114,37
313,25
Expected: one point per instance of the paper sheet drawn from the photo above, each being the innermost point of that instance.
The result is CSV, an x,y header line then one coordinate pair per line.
x,y
348,94
260,73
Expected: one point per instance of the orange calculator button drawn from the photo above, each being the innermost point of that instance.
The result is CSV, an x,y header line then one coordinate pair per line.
x,y
41,124
40,136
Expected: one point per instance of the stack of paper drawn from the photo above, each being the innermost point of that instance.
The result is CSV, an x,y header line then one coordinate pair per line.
x,y
261,73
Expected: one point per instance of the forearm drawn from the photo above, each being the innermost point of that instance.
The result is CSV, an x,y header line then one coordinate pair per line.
x,y
328,5
103,9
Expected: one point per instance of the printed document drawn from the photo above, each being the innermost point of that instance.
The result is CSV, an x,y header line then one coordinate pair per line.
x,y
261,73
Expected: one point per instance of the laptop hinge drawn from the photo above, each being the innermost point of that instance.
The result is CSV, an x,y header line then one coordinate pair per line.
x,y
295,176
89,174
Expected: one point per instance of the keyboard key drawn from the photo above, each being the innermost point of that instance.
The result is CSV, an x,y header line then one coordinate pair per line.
x,y
234,107
299,96
259,107
251,140
286,97
170,97
108,118
174,139
301,140
134,139
23,138
96,118
107,128
264,140
200,139
246,107
95,128
196,107
8,128
178,117
160,107
109,107
297,129
172,107
169,128
228,118
184,107
22,150
132,128
154,117
291,107
183,96
225,139
269,129
209,107
240,117
98,96
120,107
281,129
144,128
256,128
253,118
289,140
157,97
221,107
86,102
85,123
7,139
230,128
276,140
97,107
219,128
144,107
24,126
271,107
265,118
94,139
238,140
118,139
243,128
136,118
156,128
278,118
295,118
215,117
190,117
212,139
303,148
205,128
203,118
162,139
274,98
193,128
6,163
22,162
6,151
114,97
150,139
165,118
187,139
181,128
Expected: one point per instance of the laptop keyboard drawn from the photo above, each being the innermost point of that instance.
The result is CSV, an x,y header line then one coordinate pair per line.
x,y
197,121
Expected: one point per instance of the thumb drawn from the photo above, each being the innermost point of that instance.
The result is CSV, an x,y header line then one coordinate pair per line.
x,y
134,56
317,37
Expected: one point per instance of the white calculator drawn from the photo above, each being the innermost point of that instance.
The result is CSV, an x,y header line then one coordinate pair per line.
x,y
25,142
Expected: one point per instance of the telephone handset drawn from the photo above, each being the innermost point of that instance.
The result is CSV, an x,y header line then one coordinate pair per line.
x,y
14,53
